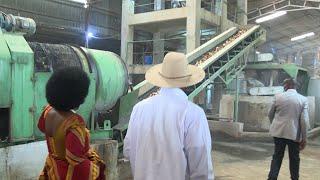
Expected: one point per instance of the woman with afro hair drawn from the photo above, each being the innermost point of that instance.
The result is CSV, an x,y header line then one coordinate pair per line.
x,y
70,156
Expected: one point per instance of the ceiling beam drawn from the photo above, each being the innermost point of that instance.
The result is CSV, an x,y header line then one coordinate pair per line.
x,y
278,5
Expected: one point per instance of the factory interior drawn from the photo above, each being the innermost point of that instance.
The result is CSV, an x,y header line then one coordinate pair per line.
x,y
247,48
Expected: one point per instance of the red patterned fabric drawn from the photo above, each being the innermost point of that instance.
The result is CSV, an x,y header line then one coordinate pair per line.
x,y
70,156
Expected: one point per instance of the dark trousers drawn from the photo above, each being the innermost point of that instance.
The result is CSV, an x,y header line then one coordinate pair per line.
x,y
294,158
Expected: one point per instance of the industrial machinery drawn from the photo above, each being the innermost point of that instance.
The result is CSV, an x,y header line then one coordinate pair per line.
x,y
258,85
313,90
272,75
223,58
26,66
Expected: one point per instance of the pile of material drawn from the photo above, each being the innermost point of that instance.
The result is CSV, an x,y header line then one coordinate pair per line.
x,y
213,51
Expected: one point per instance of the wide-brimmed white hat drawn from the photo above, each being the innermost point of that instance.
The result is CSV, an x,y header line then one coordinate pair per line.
x,y
174,72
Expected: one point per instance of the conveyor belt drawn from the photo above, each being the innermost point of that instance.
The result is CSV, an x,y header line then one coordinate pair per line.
x,y
222,57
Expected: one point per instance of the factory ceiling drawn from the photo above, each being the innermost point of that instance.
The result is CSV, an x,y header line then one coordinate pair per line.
x,y
302,17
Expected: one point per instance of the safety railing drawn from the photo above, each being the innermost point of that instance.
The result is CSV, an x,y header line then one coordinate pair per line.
x,y
153,6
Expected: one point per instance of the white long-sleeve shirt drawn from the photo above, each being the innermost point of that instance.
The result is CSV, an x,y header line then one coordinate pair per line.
x,y
288,112
168,138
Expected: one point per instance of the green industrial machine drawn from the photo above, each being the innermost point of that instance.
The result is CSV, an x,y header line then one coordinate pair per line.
x,y
25,68
273,74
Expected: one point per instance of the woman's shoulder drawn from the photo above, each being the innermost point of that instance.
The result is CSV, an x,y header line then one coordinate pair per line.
x,y
44,114
74,121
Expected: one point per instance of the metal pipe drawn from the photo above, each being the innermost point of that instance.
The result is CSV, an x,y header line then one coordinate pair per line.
x,y
18,24
209,95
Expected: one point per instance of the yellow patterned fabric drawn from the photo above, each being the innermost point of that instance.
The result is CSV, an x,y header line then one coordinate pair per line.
x,y
70,156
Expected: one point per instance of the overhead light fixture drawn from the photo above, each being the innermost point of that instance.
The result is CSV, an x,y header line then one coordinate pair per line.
x,y
302,36
84,2
80,1
271,16
90,35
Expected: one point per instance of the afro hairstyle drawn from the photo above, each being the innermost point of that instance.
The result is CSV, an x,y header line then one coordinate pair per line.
x,y
67,88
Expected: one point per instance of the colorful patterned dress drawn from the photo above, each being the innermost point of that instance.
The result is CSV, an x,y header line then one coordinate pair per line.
x,y
70,156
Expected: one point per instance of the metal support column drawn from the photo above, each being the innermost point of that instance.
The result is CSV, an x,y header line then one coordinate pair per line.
x,y
236,101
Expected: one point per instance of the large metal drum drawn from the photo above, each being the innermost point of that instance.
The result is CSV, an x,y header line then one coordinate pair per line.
x,y
24,74
25,68
112,80
109,71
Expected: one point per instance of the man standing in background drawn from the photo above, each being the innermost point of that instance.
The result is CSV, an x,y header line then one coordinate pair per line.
x,y
290,122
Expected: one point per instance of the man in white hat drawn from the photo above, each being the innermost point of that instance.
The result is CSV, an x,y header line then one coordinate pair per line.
x,y
168,136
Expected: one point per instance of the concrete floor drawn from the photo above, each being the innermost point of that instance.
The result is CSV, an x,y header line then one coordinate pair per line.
x,y
249,159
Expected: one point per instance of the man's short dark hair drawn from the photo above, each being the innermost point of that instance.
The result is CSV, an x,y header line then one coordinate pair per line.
x,y
290,82
67,88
